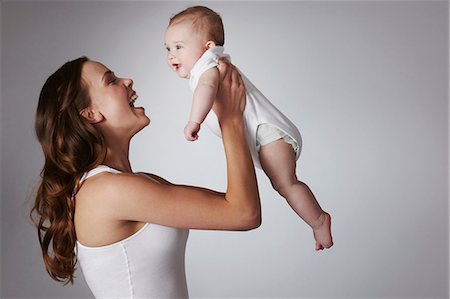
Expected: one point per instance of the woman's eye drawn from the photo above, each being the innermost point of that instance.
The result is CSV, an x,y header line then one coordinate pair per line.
x,y
112,81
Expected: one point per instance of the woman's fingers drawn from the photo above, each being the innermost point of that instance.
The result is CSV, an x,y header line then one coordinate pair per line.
x,y
238,84
229,73
224,70
231,92
235,77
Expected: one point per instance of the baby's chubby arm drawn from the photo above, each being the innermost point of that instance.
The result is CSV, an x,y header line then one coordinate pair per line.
x,y
204,95
202,102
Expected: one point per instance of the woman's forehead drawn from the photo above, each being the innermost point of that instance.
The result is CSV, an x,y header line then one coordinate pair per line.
x,y
93,71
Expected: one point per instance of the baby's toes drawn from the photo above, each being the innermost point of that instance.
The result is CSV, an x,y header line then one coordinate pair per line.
x,y
319,246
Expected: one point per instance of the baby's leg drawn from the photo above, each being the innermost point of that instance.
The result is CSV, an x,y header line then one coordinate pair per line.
x,y
278,162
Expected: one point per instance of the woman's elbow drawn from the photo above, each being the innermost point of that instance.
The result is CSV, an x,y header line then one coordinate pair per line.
x,y
252,221
254,224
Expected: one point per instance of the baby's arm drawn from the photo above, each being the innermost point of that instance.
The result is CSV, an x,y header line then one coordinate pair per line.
x,y
202,102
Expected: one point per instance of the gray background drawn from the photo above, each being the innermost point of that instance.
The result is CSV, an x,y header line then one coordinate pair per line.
x,y
365,82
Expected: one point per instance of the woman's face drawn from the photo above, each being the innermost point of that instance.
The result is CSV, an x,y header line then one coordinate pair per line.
x,y
112,102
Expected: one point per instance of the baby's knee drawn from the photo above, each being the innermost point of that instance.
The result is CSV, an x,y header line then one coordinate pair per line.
x,y
282,187
289,187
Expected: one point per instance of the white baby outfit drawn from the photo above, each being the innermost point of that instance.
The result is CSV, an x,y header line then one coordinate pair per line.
x,y
147,264
258,109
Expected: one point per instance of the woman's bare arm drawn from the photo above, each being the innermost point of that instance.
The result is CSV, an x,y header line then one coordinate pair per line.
x,y
136,198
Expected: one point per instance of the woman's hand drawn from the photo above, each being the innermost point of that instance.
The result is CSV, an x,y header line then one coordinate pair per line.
x,y
230,99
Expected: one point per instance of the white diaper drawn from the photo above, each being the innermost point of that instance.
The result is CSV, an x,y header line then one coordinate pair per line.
x,y
267,133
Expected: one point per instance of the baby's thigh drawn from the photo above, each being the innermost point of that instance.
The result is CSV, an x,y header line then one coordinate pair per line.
x,y
268,133
278,161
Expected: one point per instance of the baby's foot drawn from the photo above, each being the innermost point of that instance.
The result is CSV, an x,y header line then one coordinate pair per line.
x,y
322,231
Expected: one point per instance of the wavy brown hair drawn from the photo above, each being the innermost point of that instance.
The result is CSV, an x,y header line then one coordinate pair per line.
x,y
71,146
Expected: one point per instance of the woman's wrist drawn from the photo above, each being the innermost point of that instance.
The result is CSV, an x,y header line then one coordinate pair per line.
x,y
233,122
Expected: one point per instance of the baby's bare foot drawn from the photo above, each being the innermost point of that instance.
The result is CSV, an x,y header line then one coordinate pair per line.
x,y
322,231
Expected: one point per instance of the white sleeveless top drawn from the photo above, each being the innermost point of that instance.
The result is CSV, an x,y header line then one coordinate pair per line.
x,y
258,109
147,264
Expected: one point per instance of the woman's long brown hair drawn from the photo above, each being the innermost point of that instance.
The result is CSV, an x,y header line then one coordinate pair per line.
x,y
71,146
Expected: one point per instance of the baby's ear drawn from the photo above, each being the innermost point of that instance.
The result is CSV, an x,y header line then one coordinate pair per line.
x,y
210,44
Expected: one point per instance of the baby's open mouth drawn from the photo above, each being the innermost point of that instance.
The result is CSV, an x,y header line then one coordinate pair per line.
x,y
176,66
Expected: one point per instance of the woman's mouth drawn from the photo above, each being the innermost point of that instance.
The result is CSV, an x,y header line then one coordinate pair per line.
x,y
133,99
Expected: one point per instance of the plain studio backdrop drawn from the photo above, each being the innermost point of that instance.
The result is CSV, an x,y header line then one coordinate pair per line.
x,y
365,82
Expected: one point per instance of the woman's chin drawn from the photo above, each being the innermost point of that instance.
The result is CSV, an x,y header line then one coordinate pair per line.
x,y
143,125
146,122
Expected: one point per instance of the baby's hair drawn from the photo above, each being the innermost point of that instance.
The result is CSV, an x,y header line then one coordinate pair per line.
x,y
203,19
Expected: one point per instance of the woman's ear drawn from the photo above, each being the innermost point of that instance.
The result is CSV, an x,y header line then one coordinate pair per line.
x,y
210,44
91,115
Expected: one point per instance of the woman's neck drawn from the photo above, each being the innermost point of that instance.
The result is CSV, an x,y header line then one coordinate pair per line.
x,y
117,157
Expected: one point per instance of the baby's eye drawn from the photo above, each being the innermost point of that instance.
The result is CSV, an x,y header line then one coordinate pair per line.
x,y
178,47
167,49
112,80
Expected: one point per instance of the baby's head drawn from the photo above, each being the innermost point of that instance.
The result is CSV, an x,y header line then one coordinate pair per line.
x,y
189,34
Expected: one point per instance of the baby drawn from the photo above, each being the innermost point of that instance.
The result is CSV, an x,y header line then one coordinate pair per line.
x,y
194,41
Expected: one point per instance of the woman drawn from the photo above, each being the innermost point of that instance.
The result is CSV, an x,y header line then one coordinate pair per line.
x,y
127,230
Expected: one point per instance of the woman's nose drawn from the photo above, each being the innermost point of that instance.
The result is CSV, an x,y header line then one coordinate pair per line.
x,y
128,82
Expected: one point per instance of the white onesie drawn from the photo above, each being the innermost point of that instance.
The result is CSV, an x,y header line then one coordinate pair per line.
x,y
258,109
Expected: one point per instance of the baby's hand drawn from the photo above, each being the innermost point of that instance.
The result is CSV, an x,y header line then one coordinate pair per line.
x,y
191,130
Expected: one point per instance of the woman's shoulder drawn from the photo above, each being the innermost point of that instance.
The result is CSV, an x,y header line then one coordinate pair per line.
x,y
109,185
155,178
94,188
104,195
107,182
98,205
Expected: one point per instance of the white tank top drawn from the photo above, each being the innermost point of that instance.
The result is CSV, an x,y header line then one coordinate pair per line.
x,y
147,264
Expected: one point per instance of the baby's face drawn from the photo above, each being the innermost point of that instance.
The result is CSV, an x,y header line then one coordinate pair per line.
x,y
184,47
